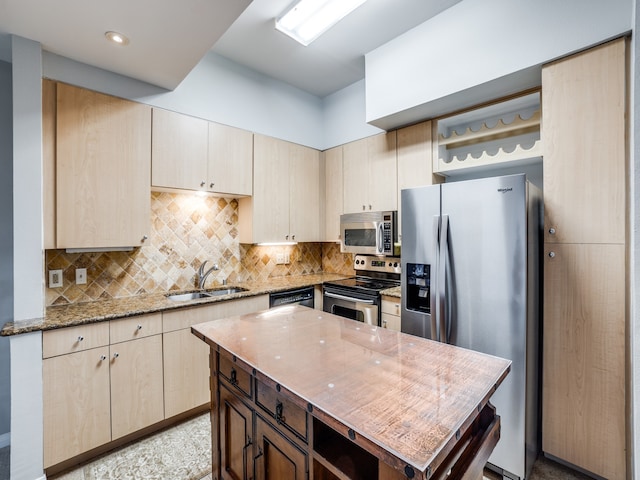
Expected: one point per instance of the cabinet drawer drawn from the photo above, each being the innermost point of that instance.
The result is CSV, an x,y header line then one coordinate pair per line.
x,y
74,339
126,329
392,307
392,322
230,371
282,410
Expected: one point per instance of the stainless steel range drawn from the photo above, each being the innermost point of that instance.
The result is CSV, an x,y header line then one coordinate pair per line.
x,y
359,298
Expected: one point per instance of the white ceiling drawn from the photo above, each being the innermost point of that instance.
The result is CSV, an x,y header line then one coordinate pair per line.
x,y
168,37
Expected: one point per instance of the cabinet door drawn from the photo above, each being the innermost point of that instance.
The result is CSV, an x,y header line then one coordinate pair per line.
x,y
270,203
103,164
583,132
49,163
383,183
136,385
179,151
186,372
230,160
584,357
356,176
75,404
414,160
304,194
333,185
276,457
236,437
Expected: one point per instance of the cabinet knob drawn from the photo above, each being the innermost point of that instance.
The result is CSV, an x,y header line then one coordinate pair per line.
x,y
139,327
364,207
211,185
552,254
286,237
384,324
103,358
293,237
552,231
202,184
116,355
80,338
144,238
369,207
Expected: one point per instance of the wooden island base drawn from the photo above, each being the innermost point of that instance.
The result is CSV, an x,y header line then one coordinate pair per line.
x,y
300,394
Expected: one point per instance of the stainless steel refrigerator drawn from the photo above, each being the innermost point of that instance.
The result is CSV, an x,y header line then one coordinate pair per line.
x,y
471,277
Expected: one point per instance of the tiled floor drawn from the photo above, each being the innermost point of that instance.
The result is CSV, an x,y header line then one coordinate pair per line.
x,y
132,462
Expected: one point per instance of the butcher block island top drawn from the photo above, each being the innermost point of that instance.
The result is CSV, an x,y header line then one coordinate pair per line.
x,y
416,407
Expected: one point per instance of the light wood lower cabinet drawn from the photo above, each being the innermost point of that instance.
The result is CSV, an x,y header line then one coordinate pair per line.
x,y
391,313
583,386
136,385
76,404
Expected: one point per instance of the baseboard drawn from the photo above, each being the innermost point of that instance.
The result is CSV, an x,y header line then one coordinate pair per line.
x,y
5,439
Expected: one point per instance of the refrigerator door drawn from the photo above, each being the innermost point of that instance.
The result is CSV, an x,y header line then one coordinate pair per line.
x,y
486,291
420,215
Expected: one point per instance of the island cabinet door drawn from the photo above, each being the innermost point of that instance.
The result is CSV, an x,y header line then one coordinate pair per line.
x,y
236,438
276,457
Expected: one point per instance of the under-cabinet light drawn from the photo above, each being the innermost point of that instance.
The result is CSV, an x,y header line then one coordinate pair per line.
x,y
306,20
275,244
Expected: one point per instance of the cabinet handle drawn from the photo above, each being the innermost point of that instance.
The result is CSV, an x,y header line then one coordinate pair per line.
x,y
369,207
139,327
116,355
233,378
286,237
552,254
293,237
103,358
80,338
211,185
552,231
364,207
202,184
260,453
144,238
384,324
280,413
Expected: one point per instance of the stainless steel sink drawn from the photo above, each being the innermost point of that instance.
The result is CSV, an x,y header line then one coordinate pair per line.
x,y
225,291
183,297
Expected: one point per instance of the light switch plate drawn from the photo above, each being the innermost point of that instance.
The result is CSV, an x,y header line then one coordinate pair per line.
x,y
81,276
55,278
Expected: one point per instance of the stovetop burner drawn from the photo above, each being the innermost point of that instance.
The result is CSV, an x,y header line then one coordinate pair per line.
x,y
365,283
373,274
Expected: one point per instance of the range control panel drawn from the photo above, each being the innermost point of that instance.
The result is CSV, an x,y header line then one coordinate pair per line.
x,y
371,263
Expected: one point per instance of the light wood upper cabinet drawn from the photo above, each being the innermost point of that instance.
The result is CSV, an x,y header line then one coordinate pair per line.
x,y
286,194
190,153
333,193
49,163
370,174
584,356
415,159
179,151
583,132
103,164
230,160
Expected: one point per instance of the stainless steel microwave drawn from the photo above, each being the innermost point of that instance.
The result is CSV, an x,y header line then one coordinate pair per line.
x,y
372,233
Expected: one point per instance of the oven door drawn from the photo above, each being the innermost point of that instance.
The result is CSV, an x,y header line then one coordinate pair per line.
x,y
343,304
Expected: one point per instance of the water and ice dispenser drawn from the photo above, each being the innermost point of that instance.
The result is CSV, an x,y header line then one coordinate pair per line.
x,y
418,285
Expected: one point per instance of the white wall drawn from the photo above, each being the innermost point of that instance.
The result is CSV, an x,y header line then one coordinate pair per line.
x,y
6,245
28,285
484,49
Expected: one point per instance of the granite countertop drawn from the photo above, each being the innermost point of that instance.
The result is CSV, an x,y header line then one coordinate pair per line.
x,y
405,394
91,312
392,292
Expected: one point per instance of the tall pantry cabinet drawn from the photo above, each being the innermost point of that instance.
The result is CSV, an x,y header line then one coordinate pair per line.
x,y
583,126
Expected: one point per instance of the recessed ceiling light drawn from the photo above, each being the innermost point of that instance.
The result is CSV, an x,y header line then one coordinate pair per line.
x,y
306,20
117,38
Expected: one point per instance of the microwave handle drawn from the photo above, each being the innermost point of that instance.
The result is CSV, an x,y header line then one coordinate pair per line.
x,y
380,237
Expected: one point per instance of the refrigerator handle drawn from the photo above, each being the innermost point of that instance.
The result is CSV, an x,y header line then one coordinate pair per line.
x,y
434,280
442,279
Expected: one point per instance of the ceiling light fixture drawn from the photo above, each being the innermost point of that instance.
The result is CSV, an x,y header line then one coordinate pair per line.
x,y
117,38
306,20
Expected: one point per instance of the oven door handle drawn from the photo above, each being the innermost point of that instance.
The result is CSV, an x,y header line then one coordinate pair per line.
x,y
349,299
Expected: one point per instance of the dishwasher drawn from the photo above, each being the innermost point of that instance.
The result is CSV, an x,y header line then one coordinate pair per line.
x,y
302,296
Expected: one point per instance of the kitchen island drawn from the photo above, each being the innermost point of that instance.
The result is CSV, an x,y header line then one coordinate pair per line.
x,y
298,393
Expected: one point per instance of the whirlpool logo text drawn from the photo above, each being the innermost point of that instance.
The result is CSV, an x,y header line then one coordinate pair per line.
x,y
505,189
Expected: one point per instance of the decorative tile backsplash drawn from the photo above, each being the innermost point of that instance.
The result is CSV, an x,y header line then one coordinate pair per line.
x,y
186,230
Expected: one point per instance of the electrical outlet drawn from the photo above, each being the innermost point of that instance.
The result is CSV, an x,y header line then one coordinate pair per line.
x,y
55,278
81,276
280,259
287,259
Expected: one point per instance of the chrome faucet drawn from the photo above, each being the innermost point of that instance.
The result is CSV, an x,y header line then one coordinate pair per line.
x,y
202,275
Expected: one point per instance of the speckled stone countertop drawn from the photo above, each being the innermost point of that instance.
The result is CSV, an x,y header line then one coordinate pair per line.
x,y
91,312
392,292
